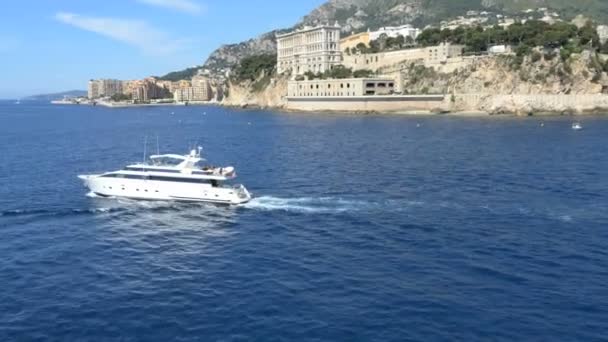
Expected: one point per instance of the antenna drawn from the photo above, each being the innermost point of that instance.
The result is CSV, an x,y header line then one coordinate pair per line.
x,y
145,146
157,146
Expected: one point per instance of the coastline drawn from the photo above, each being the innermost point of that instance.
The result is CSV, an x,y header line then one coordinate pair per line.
x,y
438,112
447,113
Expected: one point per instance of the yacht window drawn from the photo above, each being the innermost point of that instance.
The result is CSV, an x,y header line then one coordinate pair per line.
x,y
177,180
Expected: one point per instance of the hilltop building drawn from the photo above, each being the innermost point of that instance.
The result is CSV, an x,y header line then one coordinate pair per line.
x,y
315,49
430,56
354,40
395,31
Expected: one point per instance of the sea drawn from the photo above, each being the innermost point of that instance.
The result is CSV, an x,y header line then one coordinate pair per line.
x,y
363,228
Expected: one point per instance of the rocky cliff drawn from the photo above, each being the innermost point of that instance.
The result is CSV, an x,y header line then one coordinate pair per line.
x,y
228,56
535,74
251,94
541,82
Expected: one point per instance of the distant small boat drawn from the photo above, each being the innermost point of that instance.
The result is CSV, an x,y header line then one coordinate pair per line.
x,y
18,102
577,126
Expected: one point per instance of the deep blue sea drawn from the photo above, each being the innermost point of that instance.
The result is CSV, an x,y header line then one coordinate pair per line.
x,y
364,228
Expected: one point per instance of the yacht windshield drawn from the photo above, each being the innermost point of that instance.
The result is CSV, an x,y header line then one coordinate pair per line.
x,y
165,162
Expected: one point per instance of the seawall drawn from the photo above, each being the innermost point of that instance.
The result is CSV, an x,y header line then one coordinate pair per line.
x,y
392,103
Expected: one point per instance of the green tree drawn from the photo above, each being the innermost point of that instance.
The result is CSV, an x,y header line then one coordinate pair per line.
x,y
250,68
338,71
363,73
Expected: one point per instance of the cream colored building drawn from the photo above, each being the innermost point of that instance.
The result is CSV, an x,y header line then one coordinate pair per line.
x,y
183,94
429,55
314,49
198,90
341,87
93,89
354,40
104,88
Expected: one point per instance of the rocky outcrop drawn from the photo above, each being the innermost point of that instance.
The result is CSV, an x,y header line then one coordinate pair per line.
x,y
543,72
245,95
228,56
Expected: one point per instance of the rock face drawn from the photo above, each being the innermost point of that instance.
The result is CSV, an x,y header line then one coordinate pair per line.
x,y
228,56
492,85
540,74
272,96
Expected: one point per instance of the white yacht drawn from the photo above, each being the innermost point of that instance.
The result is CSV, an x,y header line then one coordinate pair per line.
x,y
170,177
577,126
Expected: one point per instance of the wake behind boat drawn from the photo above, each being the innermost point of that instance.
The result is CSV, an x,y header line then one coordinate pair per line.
x,y
170,177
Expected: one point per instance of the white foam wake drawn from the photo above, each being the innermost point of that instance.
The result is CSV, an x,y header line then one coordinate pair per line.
x,y
305,204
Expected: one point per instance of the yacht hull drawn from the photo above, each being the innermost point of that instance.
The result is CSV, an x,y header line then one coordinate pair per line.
x,y
142,189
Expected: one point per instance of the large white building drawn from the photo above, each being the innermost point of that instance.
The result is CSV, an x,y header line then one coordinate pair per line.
x,y
104,88
394,31
315,49
341,87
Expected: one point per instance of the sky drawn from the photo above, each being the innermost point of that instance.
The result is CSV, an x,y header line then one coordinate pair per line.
x,y
56,45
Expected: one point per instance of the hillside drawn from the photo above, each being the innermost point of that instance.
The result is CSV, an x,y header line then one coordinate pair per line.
x,y
358,15
57,96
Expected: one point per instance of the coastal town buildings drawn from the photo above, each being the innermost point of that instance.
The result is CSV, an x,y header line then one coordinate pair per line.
x,y
395,31
198,90
149,89
93,89
341,87
202,88
314,49
104,88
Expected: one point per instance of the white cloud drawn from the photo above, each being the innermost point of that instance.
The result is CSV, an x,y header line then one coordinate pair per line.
x,y
178,5
137,33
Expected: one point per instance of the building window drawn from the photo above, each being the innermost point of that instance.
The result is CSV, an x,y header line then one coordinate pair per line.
x,y
328,85
391,85
382,85
370,85
341,85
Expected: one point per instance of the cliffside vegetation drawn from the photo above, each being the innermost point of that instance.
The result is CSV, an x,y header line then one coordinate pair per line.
x,y
523,37
185,74
257,69
339,72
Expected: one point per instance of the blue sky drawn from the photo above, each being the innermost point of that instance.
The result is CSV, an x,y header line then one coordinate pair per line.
x,y
56,45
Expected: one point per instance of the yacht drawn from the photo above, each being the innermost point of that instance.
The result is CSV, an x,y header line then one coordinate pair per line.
x,y
170,177
577,126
